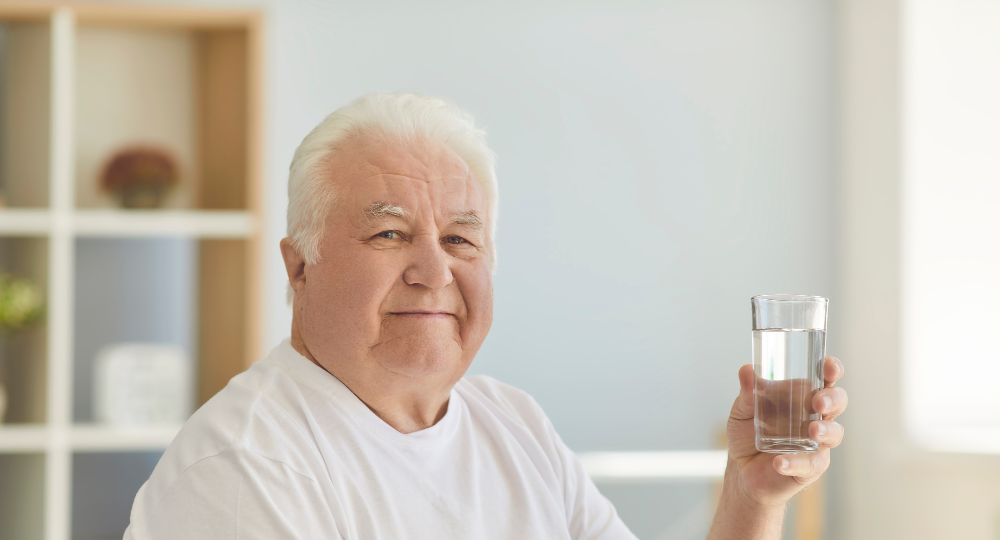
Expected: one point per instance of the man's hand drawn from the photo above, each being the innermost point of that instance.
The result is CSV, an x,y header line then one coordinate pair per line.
x,y
770,479
757,485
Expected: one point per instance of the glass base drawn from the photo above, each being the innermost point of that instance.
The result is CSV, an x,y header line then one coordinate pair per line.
x,y
787,446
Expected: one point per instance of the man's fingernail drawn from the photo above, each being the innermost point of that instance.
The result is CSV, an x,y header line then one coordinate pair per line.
x,y
827,402
820,430
783,464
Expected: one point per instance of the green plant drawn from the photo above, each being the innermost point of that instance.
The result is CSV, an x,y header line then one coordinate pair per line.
x,y
20,303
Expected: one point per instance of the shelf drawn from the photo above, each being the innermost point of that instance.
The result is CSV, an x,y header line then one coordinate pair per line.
x,y
80,83
146,223
23,222
96,438
655,466
15,439
134,223
28,438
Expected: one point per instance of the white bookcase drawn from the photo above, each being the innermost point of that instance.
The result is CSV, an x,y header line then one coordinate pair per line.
x,y
76,82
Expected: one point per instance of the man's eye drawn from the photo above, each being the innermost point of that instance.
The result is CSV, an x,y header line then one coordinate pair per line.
x,y
455,240
388,235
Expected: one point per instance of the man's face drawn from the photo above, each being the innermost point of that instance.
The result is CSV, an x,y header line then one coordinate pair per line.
x,y
404,287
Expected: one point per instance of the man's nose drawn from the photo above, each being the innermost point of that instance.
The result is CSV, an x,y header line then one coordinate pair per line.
x,y
429,265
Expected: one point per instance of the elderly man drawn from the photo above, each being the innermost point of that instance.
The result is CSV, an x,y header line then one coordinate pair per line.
x,y
362,424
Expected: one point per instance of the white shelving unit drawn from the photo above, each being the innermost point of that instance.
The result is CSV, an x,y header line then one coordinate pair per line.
x,y
19,439
133,223
21,222
219,211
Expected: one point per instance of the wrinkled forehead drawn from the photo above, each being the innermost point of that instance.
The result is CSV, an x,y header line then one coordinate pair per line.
x,y
422,159
369,169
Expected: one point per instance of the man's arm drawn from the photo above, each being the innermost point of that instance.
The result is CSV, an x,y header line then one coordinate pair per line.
x,y
757,485
740,518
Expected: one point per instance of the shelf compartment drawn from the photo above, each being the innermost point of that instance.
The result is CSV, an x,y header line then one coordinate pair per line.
x,y
148,223
22,495
25,75
23,352
183,89
130,290
104,488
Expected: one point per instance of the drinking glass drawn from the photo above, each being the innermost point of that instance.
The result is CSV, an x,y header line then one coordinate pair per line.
x,y
789,344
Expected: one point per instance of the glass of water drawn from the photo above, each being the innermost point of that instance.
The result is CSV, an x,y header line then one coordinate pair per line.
x,y
789,344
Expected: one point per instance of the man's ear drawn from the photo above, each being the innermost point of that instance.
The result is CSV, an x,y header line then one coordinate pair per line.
x,y
295,265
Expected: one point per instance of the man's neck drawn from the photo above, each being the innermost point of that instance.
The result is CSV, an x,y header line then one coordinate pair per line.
x,y
392,399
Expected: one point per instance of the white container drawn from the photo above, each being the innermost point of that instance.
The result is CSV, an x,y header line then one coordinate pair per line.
x,y
142,384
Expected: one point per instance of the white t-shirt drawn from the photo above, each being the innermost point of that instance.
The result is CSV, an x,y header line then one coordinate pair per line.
x,y
286,451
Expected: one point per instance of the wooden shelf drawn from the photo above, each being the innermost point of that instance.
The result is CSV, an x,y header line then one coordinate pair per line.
x,y
139,223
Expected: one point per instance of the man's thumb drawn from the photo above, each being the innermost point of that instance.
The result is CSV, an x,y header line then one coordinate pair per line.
x,y
743,406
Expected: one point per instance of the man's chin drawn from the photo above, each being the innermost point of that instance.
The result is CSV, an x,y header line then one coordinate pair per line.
x,y
421,361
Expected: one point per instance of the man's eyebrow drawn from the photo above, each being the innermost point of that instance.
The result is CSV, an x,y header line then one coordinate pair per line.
x,y
470,218
379,210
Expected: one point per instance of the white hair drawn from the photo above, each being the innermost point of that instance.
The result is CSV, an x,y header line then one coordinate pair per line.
x,y
400,117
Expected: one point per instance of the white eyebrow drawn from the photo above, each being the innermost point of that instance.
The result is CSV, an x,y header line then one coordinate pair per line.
x,y
470,218
380,209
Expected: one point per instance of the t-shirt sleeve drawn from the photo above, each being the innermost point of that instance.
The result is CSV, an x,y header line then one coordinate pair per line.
x,y
590,515
237,495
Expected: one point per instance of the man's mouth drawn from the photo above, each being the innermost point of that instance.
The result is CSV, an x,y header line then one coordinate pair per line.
x,y
422,314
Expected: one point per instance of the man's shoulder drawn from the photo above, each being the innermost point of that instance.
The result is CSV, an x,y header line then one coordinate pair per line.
x,y
255,410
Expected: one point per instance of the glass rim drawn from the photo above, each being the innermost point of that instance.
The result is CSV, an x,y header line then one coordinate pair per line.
x,y
789,298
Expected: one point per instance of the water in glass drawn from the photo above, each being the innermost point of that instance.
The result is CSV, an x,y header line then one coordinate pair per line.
x,y
789,370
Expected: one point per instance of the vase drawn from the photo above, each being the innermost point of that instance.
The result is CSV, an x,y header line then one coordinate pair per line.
x,y
143,196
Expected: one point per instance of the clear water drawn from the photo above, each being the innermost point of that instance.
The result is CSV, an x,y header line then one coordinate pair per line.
x,y
789,369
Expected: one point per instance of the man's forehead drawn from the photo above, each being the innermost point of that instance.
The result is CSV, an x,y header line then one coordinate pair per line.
x,y
377,180
367,156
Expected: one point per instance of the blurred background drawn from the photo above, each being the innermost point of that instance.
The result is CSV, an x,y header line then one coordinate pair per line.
x,y
659,164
